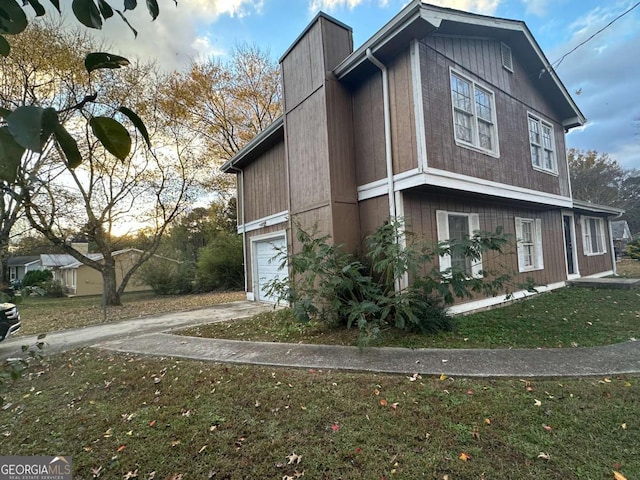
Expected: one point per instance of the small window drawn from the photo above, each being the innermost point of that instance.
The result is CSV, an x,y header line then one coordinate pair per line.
x,y
474,115
507,58
543,155
457,226
529,237
593,236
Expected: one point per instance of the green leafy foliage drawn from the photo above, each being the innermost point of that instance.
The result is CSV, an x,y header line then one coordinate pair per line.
x,y
53,289
168,278
220,264
10,155
29,125
330,285
633,249
13,369
12,18
98,60
5,48
113,136
25,124
36,277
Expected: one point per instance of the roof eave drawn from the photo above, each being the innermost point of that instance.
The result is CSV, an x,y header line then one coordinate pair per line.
x,y
254,145
595,208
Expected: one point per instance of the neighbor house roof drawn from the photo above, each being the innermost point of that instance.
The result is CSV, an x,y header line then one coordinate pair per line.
x,y
98,256
620,229
23,260
53,260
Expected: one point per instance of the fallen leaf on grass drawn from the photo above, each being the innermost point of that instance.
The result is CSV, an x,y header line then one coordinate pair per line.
x,y
152,423
537,403
202,449
618,476
131,474
376,392
383,402
443,377
121,448
95,472
108,433
623,426
487,421
294,458
464,457
335,427
547,428
544,456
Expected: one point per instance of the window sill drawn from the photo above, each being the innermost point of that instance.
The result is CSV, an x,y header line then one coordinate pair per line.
x,y
594,254
544,170
469,146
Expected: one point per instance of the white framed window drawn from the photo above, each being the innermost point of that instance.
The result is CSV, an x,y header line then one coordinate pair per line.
x,y
593,236
474,115
13,273
529,237
543,152
456,226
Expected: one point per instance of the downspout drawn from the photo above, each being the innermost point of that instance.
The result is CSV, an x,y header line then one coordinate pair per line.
x,y
387,132
244,230
612,244
387,145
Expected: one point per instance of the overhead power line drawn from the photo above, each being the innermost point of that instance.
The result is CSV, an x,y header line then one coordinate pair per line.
x,y
557,63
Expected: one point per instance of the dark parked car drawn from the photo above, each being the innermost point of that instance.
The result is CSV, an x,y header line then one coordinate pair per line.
x,y
9,320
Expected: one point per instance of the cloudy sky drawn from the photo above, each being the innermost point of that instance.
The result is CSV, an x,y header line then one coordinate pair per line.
x,y
603,75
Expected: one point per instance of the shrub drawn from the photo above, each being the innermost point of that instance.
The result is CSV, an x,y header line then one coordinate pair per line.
x,y
220,266
633,249
53,289
168,278
328,284
36,277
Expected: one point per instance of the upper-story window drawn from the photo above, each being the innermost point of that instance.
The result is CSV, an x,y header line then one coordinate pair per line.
x,y
543,154
474,115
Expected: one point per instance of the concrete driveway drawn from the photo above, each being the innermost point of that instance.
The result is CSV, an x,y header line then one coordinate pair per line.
x,y
129,329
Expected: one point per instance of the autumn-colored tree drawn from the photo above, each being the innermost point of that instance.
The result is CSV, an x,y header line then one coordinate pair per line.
x,y
31,125
104,194
600,179
226,103
52,76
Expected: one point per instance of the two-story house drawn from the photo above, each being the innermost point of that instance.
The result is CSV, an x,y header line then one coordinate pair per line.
x,y
451,120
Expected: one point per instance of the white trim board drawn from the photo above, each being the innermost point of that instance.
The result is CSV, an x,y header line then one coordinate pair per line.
x,y
493,301
263,222
456,181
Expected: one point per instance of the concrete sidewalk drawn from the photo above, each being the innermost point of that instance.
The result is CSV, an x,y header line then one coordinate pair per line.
x,y
147,336
623,358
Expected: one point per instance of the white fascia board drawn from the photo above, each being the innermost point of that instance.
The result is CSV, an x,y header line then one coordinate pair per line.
x,y
455,181
263,222
398,23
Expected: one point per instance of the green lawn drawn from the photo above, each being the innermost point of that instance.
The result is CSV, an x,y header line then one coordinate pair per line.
x,y
566,317
121,415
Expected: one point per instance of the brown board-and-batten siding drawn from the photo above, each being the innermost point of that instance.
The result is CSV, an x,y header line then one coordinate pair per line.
x,y
421,205
515,96
593,264
266,176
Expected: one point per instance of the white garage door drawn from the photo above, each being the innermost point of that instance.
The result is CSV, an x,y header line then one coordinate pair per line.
x,y
268,263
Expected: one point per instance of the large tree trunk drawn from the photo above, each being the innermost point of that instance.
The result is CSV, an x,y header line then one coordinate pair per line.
x,y
110,295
